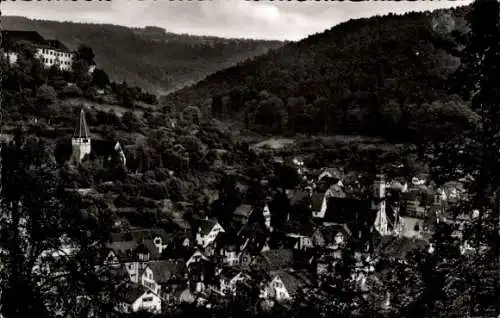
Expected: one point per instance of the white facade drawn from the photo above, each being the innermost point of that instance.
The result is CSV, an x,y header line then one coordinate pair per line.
x,y
50,57
279,289
147,280
324,206
204,240
148,301
11,57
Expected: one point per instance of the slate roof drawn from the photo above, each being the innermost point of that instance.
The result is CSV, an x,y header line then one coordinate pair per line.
x,y
149,234
130,292
165,270
124,250
292,282
206,226
243,210
279,258
334,172
350,211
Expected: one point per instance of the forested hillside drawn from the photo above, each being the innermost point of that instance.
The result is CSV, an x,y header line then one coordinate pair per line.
x,y
385,76
150,58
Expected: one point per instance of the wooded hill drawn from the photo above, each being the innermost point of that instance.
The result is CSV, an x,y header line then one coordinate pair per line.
x,y
385,76
147,57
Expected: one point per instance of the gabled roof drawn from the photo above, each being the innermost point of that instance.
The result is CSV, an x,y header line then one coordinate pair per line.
x,y
333,172
81,129
165,270
206,226
131,292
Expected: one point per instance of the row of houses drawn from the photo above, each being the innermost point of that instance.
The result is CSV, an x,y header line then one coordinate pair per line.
x,y
217,257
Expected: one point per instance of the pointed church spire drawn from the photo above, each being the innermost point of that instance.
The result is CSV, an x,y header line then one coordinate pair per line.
x,y
82,130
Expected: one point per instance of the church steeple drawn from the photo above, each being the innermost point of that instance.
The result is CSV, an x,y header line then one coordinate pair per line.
x,y
81,139
82,130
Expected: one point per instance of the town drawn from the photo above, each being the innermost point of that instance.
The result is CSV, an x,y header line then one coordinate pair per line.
x,y
265,246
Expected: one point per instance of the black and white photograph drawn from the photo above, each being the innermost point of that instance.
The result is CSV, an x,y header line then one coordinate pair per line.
x,y
245,159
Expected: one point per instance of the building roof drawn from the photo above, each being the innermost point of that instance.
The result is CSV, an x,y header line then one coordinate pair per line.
x,y
150,234
206,226
292,283
243,210
165,270
349,210
186,296
131,292
81,129
57,45
279,258
330,172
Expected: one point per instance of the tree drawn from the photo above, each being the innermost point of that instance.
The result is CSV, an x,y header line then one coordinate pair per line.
x,y
49,239
86,54
100,78
477,80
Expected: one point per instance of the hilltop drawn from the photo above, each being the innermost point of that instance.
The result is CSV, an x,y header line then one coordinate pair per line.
x,y
148,57
381,76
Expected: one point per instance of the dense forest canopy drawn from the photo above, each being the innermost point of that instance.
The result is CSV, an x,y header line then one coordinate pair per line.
x,y
147,57
384,76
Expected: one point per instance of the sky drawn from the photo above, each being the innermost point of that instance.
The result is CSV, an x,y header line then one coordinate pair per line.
x,y
273,20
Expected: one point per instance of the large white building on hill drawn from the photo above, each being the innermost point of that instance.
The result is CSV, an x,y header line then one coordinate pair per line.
x,y
49,52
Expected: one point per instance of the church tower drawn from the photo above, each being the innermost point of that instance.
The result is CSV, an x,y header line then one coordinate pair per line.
x,y
379,204
81,140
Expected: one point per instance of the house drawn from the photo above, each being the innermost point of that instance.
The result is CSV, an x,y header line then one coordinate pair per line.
x,y
284,286
163,276
134,298
299,241
196,257
228,247
229,279
332,237
207,232
49,52
242,214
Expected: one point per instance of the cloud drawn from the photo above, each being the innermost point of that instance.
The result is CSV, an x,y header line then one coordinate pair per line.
x,y
290,20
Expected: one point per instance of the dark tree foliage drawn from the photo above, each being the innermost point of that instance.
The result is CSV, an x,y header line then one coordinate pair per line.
x,y
344,81
40,221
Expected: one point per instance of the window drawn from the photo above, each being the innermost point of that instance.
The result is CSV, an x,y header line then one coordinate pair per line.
x,y
147,299
416,228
